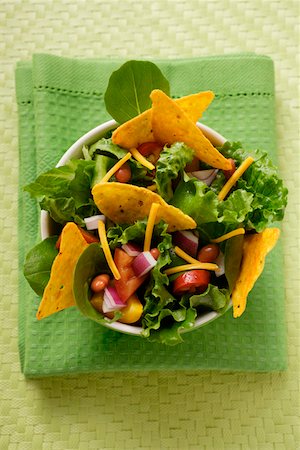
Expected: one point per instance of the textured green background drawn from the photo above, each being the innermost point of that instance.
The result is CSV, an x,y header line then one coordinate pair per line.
x,y
152,410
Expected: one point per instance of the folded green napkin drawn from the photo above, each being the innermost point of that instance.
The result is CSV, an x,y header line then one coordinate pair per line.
x,y
60,99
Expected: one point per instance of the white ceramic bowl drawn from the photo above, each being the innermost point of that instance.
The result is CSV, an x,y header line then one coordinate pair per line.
x,y
75,151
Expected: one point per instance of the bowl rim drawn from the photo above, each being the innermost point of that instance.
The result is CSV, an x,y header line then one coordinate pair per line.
x,y
75,151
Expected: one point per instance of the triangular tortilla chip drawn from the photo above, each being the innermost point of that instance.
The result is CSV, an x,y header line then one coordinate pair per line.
x,y
255,249
125,203
171,124
58,293
138,130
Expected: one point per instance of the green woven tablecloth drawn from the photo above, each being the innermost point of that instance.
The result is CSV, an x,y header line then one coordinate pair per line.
x,y
60,99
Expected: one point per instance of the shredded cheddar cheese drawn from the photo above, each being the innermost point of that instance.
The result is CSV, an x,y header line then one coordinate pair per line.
x,y
141,159
234,177
116,167
106,250
228,235
150,225
179,252
184,267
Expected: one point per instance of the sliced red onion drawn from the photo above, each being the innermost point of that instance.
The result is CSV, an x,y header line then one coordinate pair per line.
x,y
143,263
92,222
207,176
111,300
131,249
187,241
220,263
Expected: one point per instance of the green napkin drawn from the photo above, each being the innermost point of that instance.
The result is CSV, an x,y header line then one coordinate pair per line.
x,y
60,99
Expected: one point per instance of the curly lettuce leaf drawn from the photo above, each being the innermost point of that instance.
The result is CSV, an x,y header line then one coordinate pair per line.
x,y
262,180
256,202
167,326
171,161
213,298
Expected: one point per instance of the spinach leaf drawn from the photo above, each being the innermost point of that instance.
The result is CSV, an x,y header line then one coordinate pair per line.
x,y
232,259
90,263
38,263
129,88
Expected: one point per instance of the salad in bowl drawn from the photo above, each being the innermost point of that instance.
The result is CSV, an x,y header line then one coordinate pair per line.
x,y
152,223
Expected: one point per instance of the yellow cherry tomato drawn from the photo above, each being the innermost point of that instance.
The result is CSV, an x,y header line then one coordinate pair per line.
x,y
132,311
130,314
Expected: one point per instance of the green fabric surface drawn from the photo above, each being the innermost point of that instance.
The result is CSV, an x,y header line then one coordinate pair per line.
x,y
158,409
59,99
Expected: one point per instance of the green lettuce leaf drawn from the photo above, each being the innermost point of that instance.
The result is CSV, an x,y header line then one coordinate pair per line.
x,y
172,160
261,179
256,202
65,192
213,298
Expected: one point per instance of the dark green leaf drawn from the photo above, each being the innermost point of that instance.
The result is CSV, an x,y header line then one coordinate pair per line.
x,y
129,88
65,192
232,259
38,264
90,263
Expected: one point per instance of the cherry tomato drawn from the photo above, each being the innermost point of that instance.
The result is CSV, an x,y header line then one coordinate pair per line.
x,y
155,253
230,172
123,174
100,282
132,311
191,281
148,148
208,253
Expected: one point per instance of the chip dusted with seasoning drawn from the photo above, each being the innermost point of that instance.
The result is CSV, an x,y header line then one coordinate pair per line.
x,y
255,249
58,293
138,130
125,203
171,124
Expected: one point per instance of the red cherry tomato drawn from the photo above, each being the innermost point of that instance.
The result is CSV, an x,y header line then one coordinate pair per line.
x,y
100,282
155,253
208,253
123,174
230,172
191,281
148,148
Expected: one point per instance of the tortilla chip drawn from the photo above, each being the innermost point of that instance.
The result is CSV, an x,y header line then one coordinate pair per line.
x,y
58,293
194,105
134,132
125,203
138,130
171,124
255,249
